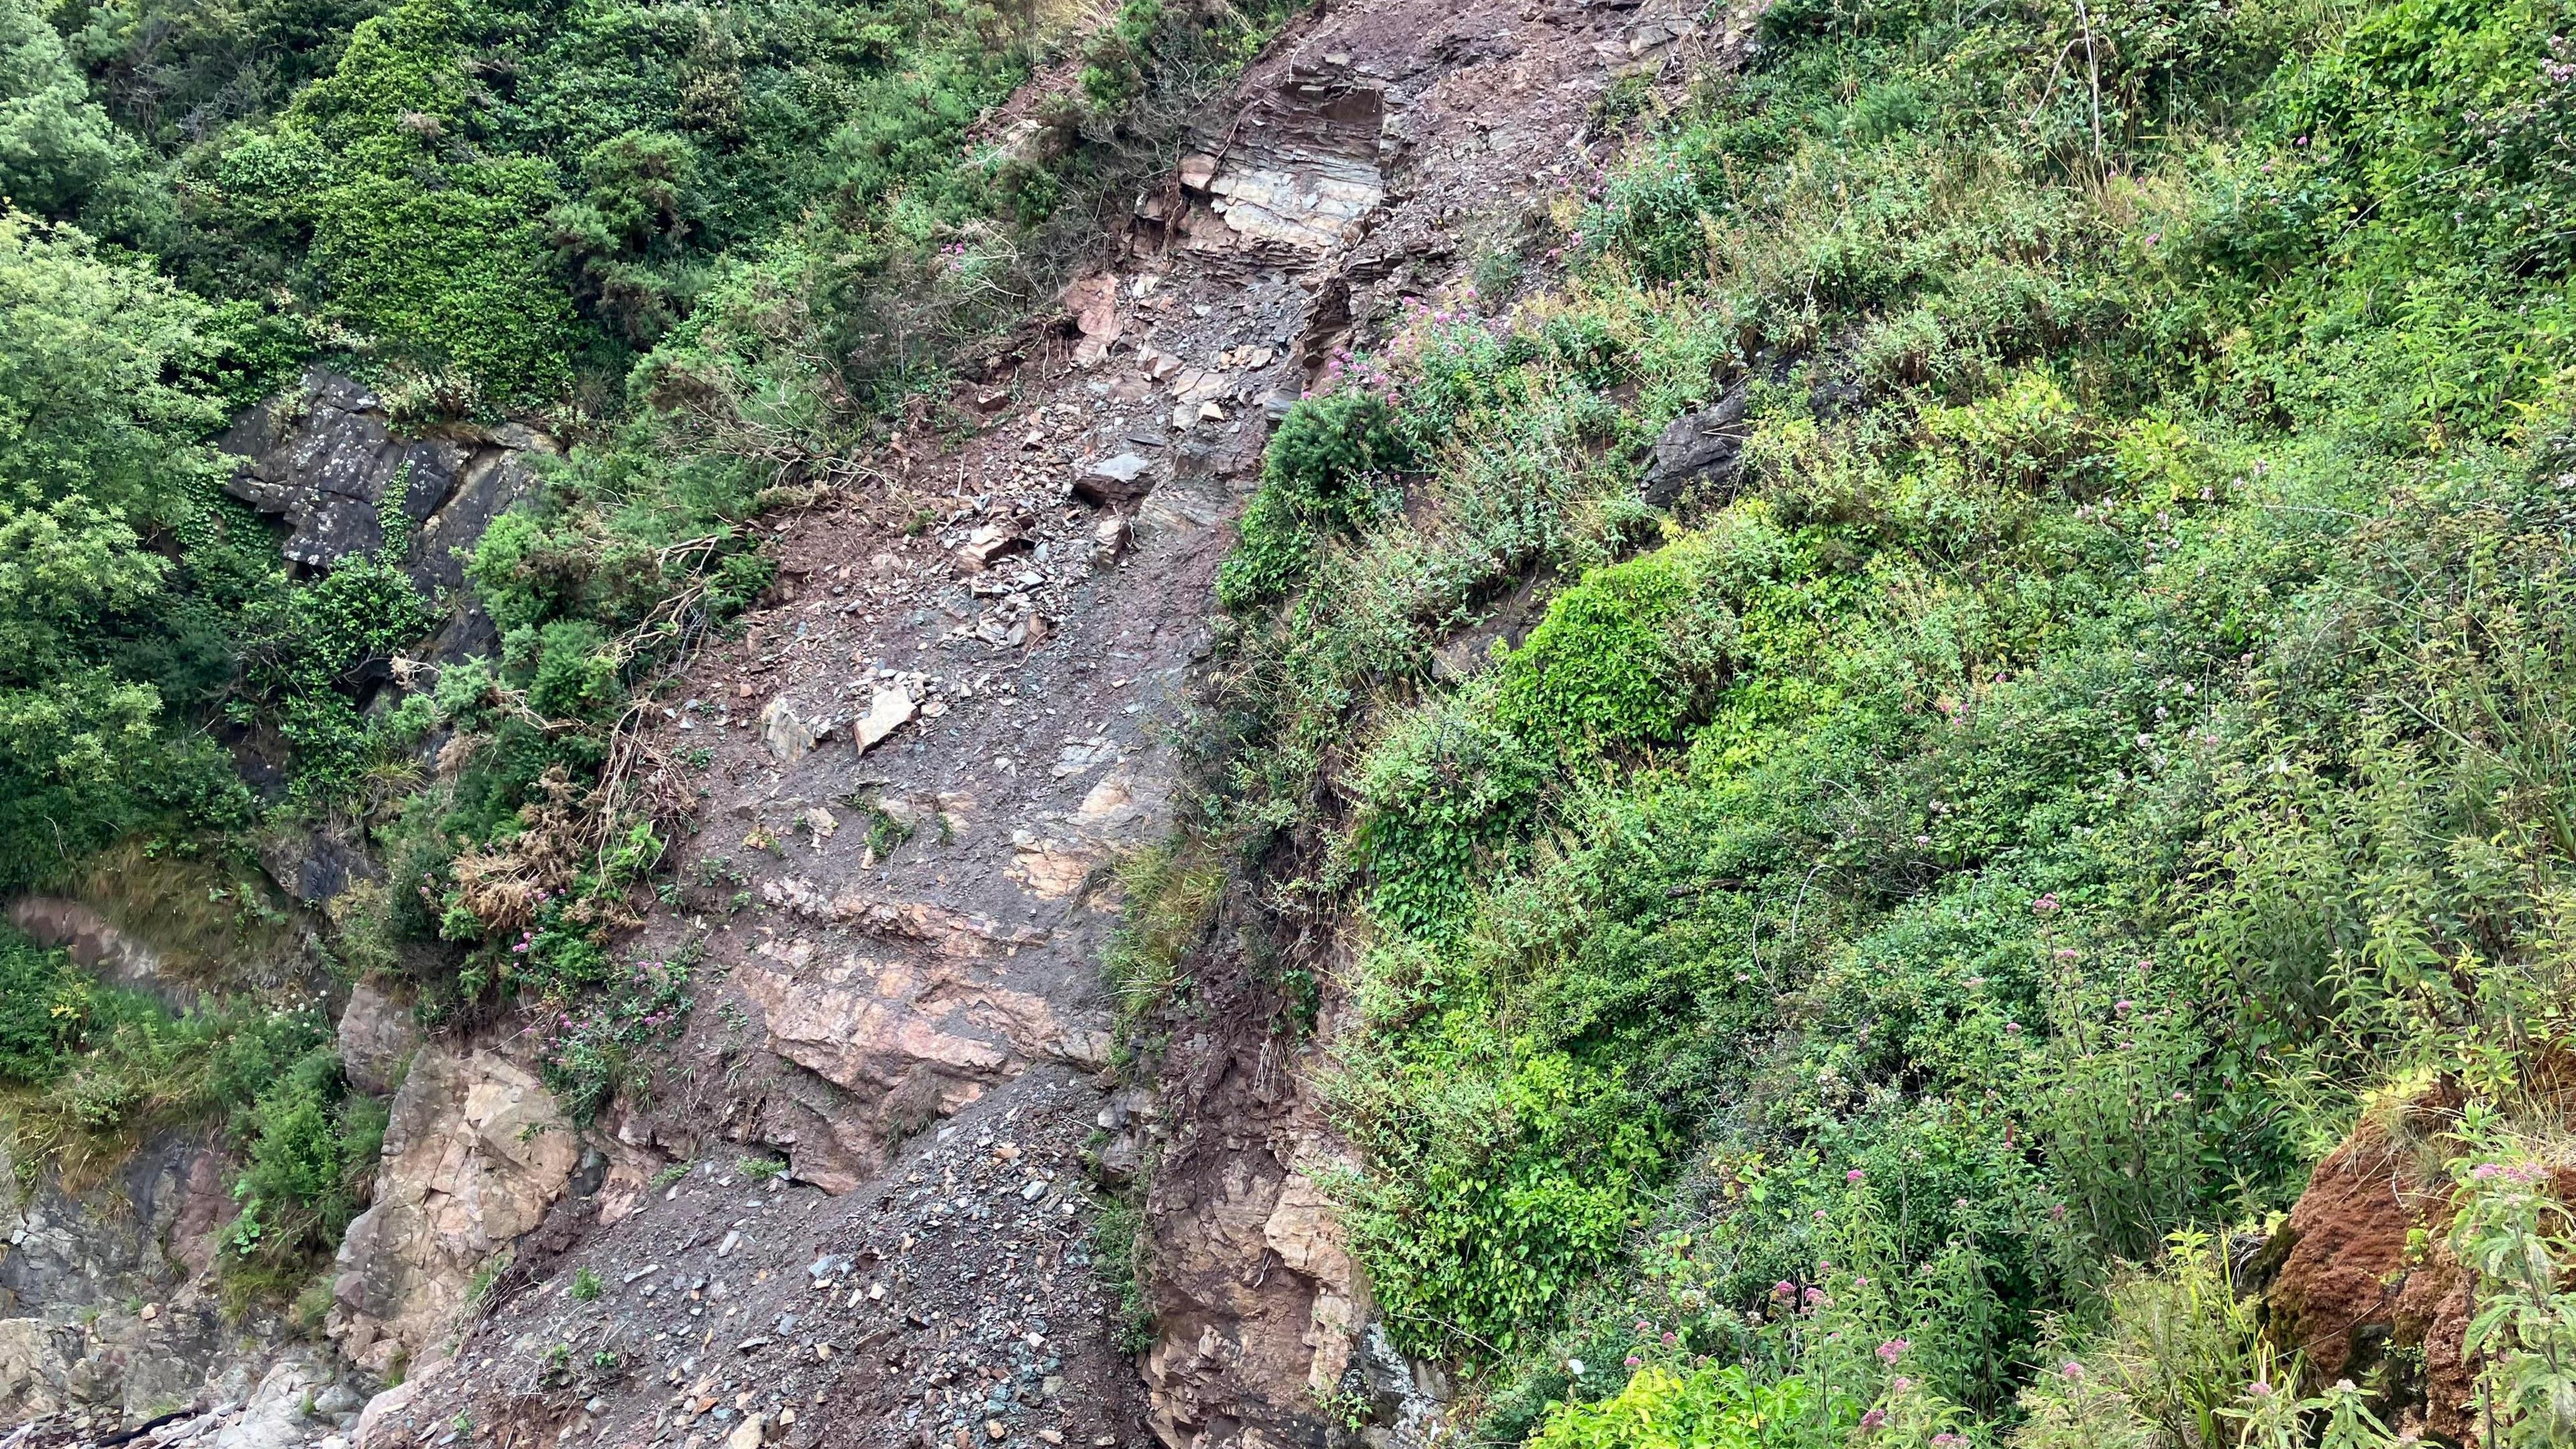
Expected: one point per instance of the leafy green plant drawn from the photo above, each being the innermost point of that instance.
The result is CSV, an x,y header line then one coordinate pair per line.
x,y
2512,1233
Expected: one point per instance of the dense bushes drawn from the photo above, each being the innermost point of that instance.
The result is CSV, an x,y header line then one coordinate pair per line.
x,y
2011,835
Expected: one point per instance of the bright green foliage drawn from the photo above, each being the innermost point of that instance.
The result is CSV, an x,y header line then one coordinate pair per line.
x,y
1631,655
99,452
1710,1408
314,649
1521,1170
1446,795
312,1148
2120,718
55,144
40,1010
1321,477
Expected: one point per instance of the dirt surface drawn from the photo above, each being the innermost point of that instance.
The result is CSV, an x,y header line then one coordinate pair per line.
x,y
918,767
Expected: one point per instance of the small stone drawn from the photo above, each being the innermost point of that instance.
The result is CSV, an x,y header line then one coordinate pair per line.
x,y
731,1241
1052,1436
818,822
988,543
994,1431
1112,537
789,739
746,1435
1122,479
888,711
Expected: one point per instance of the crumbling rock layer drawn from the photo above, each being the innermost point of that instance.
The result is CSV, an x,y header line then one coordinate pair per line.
x,y
1465,122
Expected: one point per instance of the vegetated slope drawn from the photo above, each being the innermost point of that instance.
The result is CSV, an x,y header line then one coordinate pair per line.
x,y
2079,704
705,249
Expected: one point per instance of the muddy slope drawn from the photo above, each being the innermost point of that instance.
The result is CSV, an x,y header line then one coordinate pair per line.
x,y
916,771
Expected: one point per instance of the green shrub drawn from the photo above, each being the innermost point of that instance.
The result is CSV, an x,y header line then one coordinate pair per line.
x,y
1445,795
1629,656
1709,1408
1321,477
312,1148
39,1011
2118,720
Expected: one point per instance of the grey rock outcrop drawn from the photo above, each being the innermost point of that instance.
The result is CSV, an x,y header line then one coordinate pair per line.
x,y
1703,447
316,864
105,1299
378,1034
325,457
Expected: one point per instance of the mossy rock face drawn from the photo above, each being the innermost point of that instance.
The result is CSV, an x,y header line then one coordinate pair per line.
x,y
324,458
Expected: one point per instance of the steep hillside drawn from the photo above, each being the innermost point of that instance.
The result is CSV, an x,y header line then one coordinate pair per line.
x,y
1590,725
1830,804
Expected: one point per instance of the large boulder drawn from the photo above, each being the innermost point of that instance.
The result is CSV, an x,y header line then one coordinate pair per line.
x,y
476,1151
379,1033
2367,1288
1704,448
325,457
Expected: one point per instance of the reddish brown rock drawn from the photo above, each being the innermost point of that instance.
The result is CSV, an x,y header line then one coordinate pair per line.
x,y
2367,1289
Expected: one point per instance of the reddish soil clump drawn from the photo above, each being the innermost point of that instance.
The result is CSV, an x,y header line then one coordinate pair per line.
x,y
2368,1290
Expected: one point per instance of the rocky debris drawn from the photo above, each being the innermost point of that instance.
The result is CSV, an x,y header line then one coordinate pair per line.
x,y
475,1153
1704,446
958,1301
302,1402
378,1033
889,709
789,738
325,457
987,544
1093,301
1111,537
870,1015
